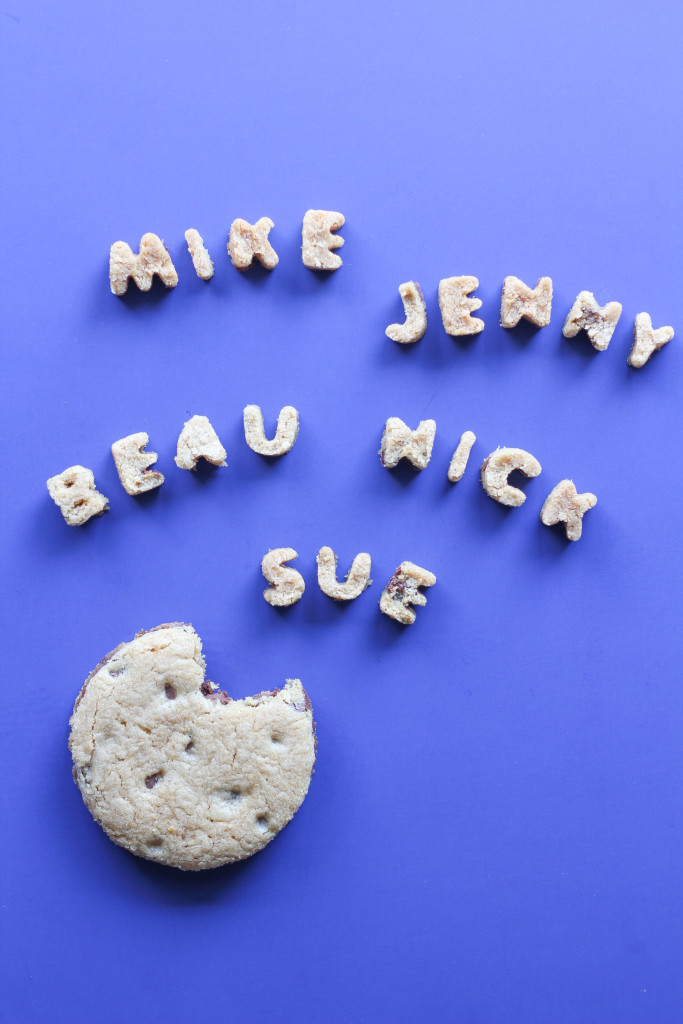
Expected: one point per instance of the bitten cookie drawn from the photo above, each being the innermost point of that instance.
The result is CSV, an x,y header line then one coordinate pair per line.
x,y
176,771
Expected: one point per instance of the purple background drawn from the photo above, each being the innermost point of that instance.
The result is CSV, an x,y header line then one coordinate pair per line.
x,y
493,830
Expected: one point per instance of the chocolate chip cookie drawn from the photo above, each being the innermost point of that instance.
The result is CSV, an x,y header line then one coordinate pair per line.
x,y
176,771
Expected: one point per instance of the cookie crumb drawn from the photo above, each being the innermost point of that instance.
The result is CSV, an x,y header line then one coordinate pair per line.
x,y
416,315
75,493
400,442
153,258
402,591
287,584
597,321
457,307
318,240
251,240
198,440
458,465
357,579
646,340
133,462
518,300
496,469
285,434
201,260
565,505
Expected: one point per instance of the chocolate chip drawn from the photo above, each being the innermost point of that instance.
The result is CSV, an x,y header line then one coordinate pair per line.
x,y
170,691
219,695
152,780
396,585
189,747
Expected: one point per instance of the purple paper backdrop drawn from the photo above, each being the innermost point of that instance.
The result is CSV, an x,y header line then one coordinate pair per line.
x,y
493,830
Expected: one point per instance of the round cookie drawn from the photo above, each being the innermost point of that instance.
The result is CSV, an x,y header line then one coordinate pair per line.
x,y
176,771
